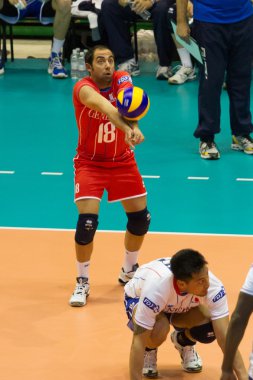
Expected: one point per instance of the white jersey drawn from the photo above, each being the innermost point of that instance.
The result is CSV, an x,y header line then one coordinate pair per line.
x,y
154,284
248,283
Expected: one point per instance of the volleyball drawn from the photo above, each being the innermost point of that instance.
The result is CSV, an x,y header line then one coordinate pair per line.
x,y
133,103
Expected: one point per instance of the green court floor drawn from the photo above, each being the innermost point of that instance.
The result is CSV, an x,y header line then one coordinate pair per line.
x,y
185,193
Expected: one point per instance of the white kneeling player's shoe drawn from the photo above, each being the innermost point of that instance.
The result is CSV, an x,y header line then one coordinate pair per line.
x,y
191,361
150,366
81,292
124,277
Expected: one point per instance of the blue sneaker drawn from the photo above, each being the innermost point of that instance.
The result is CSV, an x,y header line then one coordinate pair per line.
x,y
1,64
55,67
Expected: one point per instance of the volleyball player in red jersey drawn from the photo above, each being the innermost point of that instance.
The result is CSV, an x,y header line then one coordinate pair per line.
x,y
105,161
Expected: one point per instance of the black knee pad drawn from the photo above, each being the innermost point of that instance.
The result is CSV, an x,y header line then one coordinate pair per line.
x,y
86,228
203,333
138,222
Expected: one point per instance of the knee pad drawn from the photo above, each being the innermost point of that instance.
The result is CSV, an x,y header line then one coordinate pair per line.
x,y
138,222
203,333
86,228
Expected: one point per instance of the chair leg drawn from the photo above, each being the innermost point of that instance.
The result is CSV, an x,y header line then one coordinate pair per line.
x,y
11,42
4,50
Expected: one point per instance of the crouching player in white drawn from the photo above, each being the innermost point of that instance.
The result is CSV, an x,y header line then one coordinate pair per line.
x,y
179,292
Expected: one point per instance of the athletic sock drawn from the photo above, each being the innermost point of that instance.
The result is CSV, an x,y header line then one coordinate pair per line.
x,y
57,45
130,260
185,57
83,269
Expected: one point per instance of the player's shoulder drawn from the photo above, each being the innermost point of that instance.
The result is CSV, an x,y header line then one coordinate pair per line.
x,y
122,77
85,82
216,289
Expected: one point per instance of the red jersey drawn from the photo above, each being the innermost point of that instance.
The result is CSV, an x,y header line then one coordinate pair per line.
x,y
99,140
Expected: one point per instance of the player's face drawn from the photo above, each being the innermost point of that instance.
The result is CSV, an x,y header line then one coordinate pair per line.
x,y
103,66
199,283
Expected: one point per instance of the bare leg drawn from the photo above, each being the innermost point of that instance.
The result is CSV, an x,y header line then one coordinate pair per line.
x,y
86,206
134,242
62,18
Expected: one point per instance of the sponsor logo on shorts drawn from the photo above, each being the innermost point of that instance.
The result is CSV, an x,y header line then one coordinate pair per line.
x,y
151,305
125,78
220,295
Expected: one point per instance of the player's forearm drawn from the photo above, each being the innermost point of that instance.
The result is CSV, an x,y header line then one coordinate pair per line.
x,y
182,11
136,361
233,339
239,367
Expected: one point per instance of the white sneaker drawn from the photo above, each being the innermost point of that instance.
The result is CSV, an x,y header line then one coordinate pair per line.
x,y
81,292
150,364
124,277
131,66
208,150
191,361
244,143
182,75
163,72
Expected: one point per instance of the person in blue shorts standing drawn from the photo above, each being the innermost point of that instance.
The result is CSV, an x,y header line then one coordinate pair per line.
x,y
224,32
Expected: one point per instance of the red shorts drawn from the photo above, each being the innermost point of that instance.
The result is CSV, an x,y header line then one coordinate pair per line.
x,y
120,181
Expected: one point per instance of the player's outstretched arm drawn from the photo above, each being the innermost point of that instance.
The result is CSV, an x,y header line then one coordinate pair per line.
x,y
139,342
236,330
137,135
220,327
92,99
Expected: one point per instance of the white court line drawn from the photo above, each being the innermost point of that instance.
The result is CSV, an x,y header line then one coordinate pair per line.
x,y
244,179
7,172
51,173
123,232
151,176
199,178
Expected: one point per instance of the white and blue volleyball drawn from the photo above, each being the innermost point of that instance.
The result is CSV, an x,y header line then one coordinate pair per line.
x,y
133,103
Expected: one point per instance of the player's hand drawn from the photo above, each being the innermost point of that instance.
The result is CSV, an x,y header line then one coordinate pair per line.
x,y
123,3
183,31
137,137
140,6
133,136
20,4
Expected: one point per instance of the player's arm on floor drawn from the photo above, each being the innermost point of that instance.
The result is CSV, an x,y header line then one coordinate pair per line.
x,y
220,327
139,343
238,323
92,99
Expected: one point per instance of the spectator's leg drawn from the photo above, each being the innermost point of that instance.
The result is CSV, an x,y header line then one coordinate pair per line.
x,y
162,31
213,40
61,21
239,77
114,21
61,24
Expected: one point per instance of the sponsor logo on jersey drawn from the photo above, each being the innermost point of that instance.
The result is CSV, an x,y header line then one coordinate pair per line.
x,y
220,295
125,78
151,305
174,309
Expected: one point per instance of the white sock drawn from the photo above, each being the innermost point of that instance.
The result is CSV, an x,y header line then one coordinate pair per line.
x,y
57,45
185,57
130,260
83,269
